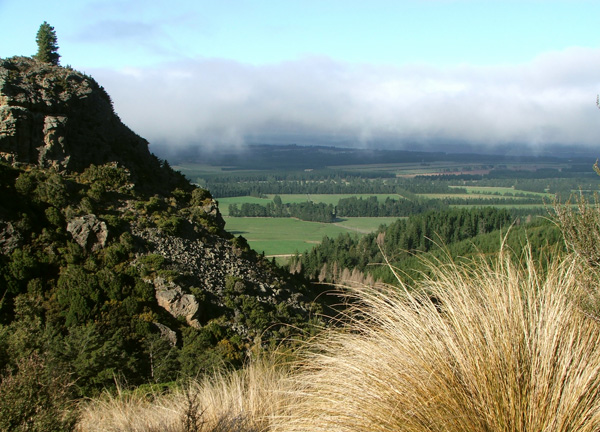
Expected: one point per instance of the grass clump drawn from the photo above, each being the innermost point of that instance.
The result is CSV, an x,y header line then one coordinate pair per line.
x,y
580,225
240,401
481,346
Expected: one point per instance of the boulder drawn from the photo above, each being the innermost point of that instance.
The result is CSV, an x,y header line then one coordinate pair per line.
x,y
179,304
89,232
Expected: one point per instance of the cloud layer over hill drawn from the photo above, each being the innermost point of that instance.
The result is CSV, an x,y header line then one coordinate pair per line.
x,y
216,102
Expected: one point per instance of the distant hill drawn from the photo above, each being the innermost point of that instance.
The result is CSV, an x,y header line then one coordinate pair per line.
x,y
300,157
111,263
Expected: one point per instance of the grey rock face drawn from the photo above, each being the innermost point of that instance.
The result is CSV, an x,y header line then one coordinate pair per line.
x,y
57,117
89,232
54,152
166,333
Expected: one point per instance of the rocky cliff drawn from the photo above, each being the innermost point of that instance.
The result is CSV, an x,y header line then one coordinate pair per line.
x,y
106,240
55,117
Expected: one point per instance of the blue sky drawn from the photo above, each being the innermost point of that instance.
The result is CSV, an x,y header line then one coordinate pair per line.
x,y
487,72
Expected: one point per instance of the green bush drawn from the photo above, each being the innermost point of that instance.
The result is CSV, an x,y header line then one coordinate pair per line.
x,y
169,225
36,399
54,216
199,195
106,178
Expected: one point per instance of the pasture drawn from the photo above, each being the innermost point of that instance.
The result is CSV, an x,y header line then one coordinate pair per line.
x,y
286,236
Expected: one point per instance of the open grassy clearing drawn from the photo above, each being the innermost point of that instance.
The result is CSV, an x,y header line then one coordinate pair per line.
x,y
279,236
471,196
493,190
284,236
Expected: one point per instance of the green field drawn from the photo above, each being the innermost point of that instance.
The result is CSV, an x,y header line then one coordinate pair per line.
x,y
476,195
285,236
496,190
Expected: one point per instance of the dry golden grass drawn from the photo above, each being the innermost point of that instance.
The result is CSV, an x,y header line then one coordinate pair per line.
x,y
478,347
580,225
233,402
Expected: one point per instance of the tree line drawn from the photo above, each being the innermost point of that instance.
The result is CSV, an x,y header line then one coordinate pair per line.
x,y
232,186
307,211
364,207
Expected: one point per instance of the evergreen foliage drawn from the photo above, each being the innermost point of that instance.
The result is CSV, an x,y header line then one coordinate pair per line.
x,y
47,44
456,232
93,312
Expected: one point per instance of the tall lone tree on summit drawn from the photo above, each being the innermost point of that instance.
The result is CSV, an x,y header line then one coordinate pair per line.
x,y
46,41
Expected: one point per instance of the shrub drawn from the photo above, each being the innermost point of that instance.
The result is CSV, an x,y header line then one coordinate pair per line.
x,y
199,197
54,216
107,177
169,225
35,399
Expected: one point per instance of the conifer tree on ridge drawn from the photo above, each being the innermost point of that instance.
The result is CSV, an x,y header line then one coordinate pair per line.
x,y
47,47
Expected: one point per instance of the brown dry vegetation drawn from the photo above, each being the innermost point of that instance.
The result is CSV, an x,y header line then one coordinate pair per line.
x,y
481,347
239,401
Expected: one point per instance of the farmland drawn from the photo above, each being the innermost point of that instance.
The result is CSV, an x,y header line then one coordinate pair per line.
x,y
284,236
372,185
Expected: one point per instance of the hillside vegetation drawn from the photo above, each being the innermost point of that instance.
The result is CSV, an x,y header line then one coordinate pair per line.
x,y
495,343
113,267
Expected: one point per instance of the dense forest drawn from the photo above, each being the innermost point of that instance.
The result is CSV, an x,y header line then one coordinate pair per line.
x,y
456,233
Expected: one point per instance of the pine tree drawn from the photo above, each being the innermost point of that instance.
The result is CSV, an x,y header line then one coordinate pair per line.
x,y
47,47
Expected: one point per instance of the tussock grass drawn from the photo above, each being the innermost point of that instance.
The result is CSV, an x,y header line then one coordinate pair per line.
x,y
226,402
579,221
476,347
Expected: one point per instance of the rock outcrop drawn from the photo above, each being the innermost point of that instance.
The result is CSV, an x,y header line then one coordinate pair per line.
x,y
56,117
89,232
175,301
10,239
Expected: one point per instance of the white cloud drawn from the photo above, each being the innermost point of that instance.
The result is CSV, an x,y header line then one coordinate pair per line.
x,y
213,102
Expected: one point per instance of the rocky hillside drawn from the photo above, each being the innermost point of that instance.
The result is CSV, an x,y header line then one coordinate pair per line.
x,y
111,263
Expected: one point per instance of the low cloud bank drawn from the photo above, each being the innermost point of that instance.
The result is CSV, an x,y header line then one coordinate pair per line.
x,y
214,102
